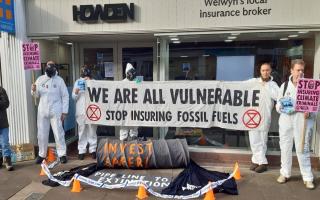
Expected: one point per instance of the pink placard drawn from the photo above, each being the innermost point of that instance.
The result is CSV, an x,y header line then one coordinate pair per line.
x,y
31,56
308,95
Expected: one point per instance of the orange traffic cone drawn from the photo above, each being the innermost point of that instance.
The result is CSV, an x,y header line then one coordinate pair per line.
x,y
236,169
76,186
142,193
51,155
209,195
202,140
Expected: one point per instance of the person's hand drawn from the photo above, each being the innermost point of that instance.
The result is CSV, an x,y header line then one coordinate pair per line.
x,y
63,116
33,87
76,91
306,115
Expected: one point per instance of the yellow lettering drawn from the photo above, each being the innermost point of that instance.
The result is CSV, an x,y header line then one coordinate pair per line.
x,y
139,162
113,148
140,149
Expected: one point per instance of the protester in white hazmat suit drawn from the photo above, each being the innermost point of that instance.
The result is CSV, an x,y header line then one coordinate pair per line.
x,y
86,132
258,139
53,108
131,131
291,124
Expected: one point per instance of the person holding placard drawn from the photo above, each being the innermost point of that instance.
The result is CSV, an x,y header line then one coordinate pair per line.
x,y
53,108
258,139
86,132
291,127
126,131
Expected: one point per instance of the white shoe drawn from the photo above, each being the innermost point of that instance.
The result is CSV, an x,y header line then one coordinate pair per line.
x,y
281,179
309,185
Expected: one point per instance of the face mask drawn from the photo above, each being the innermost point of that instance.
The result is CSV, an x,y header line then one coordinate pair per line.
x,y
50,70
131,74
86,72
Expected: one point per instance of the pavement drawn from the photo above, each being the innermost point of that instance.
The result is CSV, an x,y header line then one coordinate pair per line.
x,y
25,184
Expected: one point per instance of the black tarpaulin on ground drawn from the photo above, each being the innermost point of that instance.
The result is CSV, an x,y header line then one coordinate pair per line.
x,y
84,170
194,177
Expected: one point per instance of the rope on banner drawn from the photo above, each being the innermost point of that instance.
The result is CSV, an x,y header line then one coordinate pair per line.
x,y
137,183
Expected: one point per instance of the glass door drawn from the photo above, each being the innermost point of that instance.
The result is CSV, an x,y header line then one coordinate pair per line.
x,y
102,63
142,59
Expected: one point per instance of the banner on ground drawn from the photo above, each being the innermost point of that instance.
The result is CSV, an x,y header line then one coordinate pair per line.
x,y
230,105
113,177
31,56
308,95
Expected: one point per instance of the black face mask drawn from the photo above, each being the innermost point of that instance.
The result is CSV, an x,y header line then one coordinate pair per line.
x,y
51,70
131,74
86,72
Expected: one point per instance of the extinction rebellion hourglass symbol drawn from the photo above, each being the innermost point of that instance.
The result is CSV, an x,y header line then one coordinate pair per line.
x,y
251,118
93,112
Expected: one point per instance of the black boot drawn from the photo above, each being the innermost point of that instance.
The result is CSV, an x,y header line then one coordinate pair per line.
x,y
39,160
81,156
63,159
7,162
94,155
1,161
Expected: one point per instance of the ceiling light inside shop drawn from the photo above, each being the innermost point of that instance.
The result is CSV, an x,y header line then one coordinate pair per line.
x,y
232,37
283,38
174,39
69,43
177,42
293,36
205,55
184,56
172,36
235,34
303,32
228,40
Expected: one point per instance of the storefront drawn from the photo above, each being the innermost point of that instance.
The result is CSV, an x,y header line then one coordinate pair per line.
x,y
180,40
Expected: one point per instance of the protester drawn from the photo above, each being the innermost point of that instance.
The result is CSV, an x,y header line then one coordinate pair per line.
x,y
53,108
291,125
258,139
5,150
86,132
131,131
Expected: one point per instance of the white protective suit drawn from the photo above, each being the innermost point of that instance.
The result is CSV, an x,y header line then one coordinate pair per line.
x,y
54,100
87,132
258,139
126,131
290,129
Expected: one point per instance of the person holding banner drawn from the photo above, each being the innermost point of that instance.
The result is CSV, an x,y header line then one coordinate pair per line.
x,y
53,108
258,139
5,151
86,132
126,131
291,127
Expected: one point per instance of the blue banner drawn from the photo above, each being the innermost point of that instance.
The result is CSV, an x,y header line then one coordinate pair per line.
x,y
7,16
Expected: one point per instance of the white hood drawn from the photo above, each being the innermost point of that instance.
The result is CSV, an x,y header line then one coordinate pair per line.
x,y
128,67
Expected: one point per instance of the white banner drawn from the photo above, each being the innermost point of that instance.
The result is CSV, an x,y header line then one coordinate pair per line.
x,y
230,105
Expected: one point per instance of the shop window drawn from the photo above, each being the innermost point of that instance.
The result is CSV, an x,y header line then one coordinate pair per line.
x,y
233,62
101,61
142,60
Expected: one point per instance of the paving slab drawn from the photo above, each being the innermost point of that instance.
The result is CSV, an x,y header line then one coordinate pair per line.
x,y
25,183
